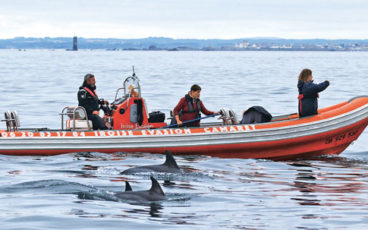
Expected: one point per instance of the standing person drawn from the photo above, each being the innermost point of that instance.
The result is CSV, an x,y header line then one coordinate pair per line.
x,y
190,108
87,98
308,93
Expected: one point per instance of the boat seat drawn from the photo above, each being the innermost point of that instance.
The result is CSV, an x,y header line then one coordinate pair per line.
x,y
80,125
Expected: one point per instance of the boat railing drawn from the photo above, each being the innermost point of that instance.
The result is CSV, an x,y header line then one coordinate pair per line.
x,y
74,113
11,120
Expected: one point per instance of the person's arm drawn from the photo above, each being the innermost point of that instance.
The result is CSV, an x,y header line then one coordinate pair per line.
x,y
178,121
322,86
316,88
177,109
204,110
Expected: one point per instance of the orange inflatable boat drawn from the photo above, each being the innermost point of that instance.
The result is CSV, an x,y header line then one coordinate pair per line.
x,y
329,132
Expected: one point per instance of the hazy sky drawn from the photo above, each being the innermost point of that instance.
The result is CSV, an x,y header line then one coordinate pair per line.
x,y
185,18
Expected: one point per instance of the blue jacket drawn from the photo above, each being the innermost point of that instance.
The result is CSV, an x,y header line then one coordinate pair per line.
x,y
308,97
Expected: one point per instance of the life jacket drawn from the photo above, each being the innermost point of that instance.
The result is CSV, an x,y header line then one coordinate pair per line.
x,y
300,97
93,93
191,109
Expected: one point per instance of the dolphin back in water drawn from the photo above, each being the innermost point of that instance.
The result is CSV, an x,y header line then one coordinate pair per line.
x,y
170,166
155,193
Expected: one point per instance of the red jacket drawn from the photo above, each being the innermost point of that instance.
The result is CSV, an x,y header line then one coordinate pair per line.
x,y
183,107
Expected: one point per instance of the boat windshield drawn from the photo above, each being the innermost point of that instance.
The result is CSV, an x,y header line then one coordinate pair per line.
x,y
131,88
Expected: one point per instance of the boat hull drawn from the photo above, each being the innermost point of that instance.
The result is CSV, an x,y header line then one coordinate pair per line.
x,y
329,132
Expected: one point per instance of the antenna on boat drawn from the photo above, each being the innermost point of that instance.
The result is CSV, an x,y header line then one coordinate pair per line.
x,y
133,71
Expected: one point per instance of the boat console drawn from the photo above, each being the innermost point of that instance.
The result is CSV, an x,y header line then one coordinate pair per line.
x,y
127,111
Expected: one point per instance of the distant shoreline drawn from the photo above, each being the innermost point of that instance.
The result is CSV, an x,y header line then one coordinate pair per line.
x,y
169,44
166,50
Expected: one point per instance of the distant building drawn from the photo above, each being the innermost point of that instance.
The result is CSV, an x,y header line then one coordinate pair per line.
x,y
242,45
75,43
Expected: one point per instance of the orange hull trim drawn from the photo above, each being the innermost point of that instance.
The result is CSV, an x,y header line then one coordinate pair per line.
x,y
333,142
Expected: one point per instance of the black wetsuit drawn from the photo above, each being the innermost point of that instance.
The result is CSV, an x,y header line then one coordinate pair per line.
x,y
88,99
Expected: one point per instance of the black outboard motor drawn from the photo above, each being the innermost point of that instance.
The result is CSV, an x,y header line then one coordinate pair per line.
x,y
256,114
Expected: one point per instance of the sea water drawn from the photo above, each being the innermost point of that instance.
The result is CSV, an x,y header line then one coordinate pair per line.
x,y
76,191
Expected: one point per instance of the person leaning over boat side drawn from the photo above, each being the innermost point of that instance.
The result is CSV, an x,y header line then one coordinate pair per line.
x,y
190,108
308,93
87,98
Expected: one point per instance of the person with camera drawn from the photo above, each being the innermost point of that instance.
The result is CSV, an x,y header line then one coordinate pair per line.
x,y
309,93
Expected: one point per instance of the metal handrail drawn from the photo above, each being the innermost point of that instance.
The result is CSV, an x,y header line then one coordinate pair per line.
x,y
11,120
63,113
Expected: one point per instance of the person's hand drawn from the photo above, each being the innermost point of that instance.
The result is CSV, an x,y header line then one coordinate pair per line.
x,y
179,122
96,112
106,102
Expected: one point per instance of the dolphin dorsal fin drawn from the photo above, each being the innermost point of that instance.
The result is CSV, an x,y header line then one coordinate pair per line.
x,y
170,161
156,187
128,188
